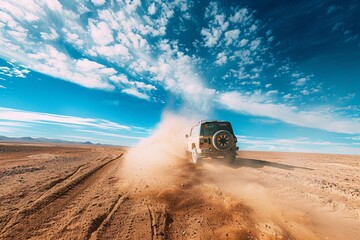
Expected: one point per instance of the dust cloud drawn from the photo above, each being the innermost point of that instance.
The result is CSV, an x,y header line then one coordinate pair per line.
x,y
153,159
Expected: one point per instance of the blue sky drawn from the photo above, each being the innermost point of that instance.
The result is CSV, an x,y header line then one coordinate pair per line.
x,y
285,73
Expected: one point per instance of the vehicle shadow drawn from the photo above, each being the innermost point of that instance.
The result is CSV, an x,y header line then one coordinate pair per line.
x,y
257,163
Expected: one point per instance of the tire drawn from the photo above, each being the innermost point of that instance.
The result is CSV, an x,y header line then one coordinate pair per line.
x,y
223,140
195,157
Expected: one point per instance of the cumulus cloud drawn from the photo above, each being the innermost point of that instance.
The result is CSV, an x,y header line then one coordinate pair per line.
x,y
305,92
177,72
14,71
221,58
101,33
113,51
116,37
135,92
120,79
98,2
53,35
133,88
231,35
255,44
84,72
217,25
243,104
272,92
240,16
300,81
53,5
152,9
119,49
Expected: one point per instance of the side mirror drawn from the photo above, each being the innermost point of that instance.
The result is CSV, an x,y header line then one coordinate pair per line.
x,y
186,135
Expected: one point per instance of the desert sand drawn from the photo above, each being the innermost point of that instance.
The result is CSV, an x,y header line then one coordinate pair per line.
x,y
96,192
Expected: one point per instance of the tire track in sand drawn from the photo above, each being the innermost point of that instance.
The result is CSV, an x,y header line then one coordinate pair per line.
x,y
30,219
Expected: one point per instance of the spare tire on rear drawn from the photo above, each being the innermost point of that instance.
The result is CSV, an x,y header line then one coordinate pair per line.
x,y
223,140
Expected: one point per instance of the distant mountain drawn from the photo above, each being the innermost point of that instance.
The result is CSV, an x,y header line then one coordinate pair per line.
x,y
41,140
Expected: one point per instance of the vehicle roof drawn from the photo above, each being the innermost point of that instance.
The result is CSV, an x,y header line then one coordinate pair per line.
x,y
208,121
203,121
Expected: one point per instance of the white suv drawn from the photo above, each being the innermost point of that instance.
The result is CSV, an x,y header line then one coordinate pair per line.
x,y
212,139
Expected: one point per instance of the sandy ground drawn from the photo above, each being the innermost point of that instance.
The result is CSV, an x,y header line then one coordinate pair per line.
x,y
96,192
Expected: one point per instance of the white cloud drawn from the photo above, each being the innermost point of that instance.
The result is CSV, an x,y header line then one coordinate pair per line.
x,y
73,38
240,103
300,81
113,51
305,92
255,44
221,59
139,66
14,30
120,79
131,5
211,37
1,86
134,88
136,93
53,35
240,16
53,5
12,124
136,40
110,134
253,28
271,92
231,35
243,42
91,66
93,38
295,145
7,129
152,9
288,96
177,72
14,71
217,25
10,114
268,85
98,2
84,72
101,33
144,86
296,75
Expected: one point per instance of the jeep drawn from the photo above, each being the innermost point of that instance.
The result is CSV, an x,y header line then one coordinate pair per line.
x,y
211,139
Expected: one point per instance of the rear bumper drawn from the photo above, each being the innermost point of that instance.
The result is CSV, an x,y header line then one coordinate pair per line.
x,y
212,152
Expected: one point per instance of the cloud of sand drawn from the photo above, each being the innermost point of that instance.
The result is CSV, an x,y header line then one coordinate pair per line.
x,y
153,159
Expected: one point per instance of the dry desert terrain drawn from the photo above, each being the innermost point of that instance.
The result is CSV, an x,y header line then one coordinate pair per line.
x,y
50,191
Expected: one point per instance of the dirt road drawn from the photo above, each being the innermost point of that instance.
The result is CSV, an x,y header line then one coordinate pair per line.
x,y
96,192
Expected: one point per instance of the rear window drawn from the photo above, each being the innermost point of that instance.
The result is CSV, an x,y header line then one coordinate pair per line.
x,y
210,128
